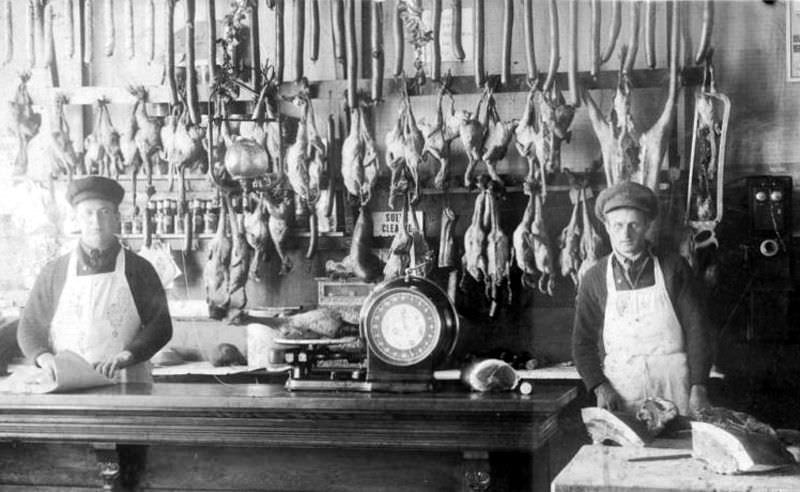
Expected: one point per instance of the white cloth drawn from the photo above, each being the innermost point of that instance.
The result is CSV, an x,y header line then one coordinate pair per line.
x,y
644,345
96,317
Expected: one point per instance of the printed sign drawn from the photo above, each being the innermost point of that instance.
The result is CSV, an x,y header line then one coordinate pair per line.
x,y
386,224
793,40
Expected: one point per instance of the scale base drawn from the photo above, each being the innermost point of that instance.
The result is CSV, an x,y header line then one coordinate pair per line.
x,y
327,385
357,386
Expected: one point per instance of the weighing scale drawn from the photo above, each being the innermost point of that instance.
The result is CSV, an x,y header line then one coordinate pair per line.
x,y
409,325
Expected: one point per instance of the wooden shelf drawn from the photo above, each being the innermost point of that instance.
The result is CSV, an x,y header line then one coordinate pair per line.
x,y
461,84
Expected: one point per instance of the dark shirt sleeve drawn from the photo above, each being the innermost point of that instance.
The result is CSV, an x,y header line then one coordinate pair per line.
x,y
33,334
151,303
588,326
686,296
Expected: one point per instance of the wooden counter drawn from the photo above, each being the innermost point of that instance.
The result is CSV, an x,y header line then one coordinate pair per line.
x,y
605,468
261,437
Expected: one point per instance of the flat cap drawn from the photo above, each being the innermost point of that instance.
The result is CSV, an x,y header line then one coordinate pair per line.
x,y
98,187
627,194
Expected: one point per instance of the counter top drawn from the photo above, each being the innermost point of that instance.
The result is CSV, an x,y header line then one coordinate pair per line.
x,y
606,468
268,415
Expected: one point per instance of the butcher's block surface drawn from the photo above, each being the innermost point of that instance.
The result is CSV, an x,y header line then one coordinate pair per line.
x,y
606,468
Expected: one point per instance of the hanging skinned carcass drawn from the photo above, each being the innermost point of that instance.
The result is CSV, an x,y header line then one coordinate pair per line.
x,y
629,154
704,197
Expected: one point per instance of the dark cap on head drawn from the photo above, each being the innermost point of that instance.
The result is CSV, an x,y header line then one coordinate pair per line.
x,y
627,194
97,187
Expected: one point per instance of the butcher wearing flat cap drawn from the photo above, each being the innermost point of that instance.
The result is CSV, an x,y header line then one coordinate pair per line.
x,y
101,301
639,328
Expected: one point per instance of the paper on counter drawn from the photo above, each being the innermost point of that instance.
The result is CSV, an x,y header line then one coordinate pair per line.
x,y
73,372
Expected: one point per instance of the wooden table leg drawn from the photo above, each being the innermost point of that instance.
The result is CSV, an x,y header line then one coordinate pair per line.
x,y
476,471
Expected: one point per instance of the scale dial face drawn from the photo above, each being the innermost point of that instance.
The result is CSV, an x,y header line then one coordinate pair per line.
x,y
404,328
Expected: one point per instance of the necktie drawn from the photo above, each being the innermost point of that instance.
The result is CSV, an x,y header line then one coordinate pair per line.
x,y
95,258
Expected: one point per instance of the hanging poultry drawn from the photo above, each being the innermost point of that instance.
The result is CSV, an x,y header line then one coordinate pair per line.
x,y
256,230
395,159
360,262
421,254
471,132
305,159
474,258
25,122
359,158
239,266
437,139
280,206
498,257
109,138
522,253
400,249
591,240
570,243
498,137
147,136
529,139
50,151
93,152
627,153
216,272
414,144
541,249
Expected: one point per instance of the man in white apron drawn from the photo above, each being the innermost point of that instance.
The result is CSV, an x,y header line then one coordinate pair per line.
x,y
639,329
101,301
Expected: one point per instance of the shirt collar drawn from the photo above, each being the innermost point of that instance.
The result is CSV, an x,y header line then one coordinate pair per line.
x,y
104,258
637,261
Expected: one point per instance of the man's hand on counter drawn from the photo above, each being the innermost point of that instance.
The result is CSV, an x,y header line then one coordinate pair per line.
x,y
114,363
607,397
698,399
47,362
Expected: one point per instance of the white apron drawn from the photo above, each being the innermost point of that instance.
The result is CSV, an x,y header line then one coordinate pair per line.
x,y
644,344
96,317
